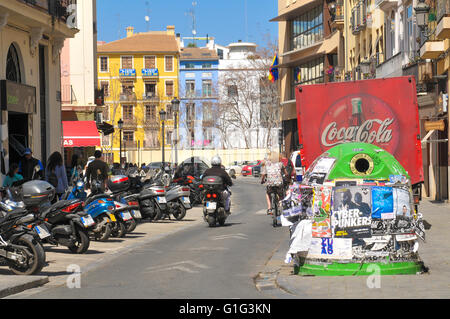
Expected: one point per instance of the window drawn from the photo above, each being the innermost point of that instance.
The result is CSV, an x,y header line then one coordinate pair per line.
x,y
206,88
410,32
150,62
128,136
392,34
232,90
105,113
207,112
106,140
12,65
307,29
127,87
169,112
307,73
190,111
150,112
189,66
103,64
151,139
105,87
168,140
169,88
127,112
169,63
150,89
206,65
190,88
127,62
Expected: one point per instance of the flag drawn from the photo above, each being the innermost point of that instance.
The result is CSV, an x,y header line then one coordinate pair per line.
x,y
273,71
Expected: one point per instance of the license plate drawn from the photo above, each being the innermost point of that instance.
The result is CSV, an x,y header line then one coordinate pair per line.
x,y
87,221
126,216
42,231
112,217
136,214
211,205
186,200
162,200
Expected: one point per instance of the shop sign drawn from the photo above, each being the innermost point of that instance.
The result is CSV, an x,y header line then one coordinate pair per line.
x,y
17,97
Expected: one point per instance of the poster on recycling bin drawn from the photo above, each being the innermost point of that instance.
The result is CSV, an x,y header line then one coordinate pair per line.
x,y
382,202
351,215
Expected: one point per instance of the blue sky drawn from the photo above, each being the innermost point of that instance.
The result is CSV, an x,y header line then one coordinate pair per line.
x,y
224,20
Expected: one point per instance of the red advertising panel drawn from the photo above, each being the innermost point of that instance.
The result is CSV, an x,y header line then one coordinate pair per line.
x,y
382,112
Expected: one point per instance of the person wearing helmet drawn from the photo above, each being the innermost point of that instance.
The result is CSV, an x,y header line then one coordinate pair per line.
x,y
217,170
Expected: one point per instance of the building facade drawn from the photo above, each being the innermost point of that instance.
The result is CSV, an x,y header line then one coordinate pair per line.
x,y
32,35
139,78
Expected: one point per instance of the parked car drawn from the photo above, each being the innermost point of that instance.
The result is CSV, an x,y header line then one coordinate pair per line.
x,y
233,169
247,169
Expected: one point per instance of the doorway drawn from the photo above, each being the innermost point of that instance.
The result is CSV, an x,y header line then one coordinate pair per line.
x,y
17,135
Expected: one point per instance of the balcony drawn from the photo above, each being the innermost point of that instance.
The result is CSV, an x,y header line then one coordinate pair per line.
x,y
127,73
129,123
128,97
150,73
442,9
128,145
152,123
443,28
386,5
337,15
431,49
67,94
359,17
150,97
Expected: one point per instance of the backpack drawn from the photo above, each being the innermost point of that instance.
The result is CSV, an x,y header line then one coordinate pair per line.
x,y
53,179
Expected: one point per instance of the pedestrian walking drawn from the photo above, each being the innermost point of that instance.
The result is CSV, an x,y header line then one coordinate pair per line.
x,y
75,169
28,164
56,174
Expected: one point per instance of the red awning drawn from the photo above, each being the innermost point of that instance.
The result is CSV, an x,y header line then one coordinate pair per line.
x,y
80,134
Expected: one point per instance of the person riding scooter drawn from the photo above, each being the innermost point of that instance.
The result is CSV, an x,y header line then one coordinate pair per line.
x,y
217,170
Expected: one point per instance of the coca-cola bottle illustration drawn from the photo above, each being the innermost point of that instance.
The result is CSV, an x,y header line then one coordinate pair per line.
x,y
357,114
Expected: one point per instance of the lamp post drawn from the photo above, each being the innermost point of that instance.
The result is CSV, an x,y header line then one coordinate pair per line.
x,y
120,124
175,109
162,117
422,10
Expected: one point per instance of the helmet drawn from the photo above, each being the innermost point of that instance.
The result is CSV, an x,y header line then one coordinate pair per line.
x,y
216,161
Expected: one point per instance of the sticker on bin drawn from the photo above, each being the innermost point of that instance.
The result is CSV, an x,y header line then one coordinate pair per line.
x,y
186,200
126,216
211,205
42,231
87,221
162,200
136,214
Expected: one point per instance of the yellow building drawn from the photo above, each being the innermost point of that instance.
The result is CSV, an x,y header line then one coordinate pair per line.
x,y
139,75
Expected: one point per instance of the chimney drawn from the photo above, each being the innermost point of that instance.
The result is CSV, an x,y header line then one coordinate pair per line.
x,y
130,31
171,29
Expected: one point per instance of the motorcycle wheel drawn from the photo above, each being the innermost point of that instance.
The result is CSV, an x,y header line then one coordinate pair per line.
x,y
211,220
82,244
34,254
119,230
104,234
181,212
158,213
131,225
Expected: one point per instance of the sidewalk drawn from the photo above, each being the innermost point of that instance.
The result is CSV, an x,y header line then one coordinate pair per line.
x,y
59,258
435,253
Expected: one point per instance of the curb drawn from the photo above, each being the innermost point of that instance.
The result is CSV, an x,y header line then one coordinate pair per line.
x,y
16,284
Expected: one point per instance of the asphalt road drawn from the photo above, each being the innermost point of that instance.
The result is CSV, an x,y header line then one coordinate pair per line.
x,y
198,262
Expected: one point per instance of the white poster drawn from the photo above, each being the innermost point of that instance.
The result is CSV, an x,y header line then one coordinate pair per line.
x,y
324,165
330,248
402,202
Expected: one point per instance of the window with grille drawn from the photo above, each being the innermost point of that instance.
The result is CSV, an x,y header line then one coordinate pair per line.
x,y
207,88
104,64
128,136
150,62
127,112
190,88
169,63
190,111
168,140
169,88
150,89
151,139
127,87
105,86
169,112
150,112
105,113
127,62
207,112
232,90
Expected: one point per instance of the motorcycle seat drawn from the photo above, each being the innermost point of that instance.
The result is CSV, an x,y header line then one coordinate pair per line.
x,y
94,197
58,206
16,213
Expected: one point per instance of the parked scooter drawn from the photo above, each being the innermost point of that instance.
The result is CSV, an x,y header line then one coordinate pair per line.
x,y
213,202
178,200
152,198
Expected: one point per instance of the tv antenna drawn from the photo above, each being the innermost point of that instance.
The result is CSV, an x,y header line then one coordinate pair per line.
x,y
191,12
147,17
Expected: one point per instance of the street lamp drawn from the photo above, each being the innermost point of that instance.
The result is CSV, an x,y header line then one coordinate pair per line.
x,y
120,124
162,117
422,10
175,109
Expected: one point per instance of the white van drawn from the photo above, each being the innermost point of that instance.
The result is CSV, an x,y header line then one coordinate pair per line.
x,y
296,159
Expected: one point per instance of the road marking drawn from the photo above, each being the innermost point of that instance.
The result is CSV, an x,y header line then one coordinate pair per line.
x,y
261,212
177,266
238,236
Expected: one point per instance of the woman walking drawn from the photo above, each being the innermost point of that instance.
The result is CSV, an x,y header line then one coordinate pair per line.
x,y
56,174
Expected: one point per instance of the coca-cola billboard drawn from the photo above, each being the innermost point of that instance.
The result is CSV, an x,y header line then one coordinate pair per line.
x,y
382,112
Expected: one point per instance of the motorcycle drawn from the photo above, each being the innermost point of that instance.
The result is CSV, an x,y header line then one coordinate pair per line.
x,y
213,201
20,247
152,198
178,201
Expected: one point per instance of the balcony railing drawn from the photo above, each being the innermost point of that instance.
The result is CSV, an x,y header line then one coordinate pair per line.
x,y
130,144
358,17
150,96
128,97
67,94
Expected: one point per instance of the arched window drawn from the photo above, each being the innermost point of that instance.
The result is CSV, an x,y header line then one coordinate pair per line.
x,y
13,65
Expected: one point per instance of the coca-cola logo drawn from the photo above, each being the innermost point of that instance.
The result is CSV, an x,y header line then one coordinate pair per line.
x,y
359,118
